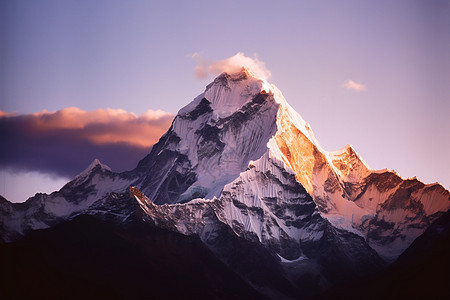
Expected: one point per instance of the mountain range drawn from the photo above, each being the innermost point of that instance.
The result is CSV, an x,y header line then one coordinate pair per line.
x,y
240,183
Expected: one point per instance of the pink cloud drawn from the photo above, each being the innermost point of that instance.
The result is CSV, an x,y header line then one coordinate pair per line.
x,y
230,65
66,141
351,85
102,126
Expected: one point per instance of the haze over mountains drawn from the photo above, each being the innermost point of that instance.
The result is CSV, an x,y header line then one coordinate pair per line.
x,y
243,173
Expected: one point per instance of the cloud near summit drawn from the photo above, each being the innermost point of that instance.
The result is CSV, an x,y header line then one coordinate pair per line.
x,y
231,64
64,142
351,85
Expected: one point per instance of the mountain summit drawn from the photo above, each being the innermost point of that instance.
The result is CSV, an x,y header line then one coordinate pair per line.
x,y
216,136
239,163
241,129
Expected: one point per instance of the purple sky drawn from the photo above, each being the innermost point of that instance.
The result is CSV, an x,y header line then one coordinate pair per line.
x,y
138,55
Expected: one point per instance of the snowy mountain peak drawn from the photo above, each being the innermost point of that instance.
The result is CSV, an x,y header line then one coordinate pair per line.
x,y
96,162
230,92
349,165
242,123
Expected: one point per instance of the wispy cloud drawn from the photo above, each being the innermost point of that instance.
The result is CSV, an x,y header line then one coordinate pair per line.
x,y
230,65
201,70
351,85
64,142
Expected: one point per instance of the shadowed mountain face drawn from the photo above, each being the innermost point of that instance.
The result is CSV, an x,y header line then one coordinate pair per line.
x,y
242,172
421,272
86,258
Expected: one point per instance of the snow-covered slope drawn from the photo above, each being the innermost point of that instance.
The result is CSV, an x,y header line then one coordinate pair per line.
x,y
265,203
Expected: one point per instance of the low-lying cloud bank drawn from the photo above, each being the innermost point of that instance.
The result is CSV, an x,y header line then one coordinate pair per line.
x,y
64,142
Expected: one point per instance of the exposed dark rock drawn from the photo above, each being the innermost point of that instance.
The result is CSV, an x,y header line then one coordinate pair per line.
x,y
202,108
